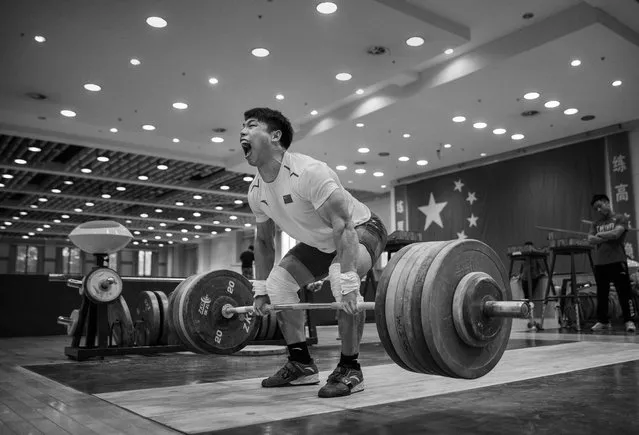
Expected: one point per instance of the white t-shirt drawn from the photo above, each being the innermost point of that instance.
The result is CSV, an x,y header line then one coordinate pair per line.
x,y
292,199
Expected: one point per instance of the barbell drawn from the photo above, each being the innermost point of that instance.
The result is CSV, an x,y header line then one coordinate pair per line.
x,y
441,308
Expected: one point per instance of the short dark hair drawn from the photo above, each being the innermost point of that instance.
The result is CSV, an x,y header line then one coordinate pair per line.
x,y
275,120
251,247
599,197
529,243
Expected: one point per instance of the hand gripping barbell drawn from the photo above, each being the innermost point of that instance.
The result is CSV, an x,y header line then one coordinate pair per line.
x,y
441,308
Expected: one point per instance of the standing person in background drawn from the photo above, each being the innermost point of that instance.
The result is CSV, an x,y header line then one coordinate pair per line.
x,y
608,235
247,257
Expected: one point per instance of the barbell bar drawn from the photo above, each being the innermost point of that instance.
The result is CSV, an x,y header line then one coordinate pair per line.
x,y
442,308
490,308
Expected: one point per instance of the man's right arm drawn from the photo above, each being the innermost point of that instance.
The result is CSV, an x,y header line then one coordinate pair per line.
x,y
264,249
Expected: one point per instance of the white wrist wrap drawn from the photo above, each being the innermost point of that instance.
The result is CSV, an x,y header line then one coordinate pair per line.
x,y
334,272
259,288
350,282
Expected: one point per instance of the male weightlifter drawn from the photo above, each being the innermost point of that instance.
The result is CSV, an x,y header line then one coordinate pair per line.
x,y
339,236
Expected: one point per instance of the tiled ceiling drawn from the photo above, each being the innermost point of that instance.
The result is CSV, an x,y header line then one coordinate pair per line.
x,y
501,49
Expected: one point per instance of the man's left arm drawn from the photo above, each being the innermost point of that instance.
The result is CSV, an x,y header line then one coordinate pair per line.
x,y
616,232
334,211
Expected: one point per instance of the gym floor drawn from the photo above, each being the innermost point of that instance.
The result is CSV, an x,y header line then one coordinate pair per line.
x,y
547,382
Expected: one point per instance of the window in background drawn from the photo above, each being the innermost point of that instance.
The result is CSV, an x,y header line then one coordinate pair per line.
x,y
113,261
144,263
26,259
71,261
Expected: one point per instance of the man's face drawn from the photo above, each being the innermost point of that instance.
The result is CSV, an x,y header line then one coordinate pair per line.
x,y
602,207
257,142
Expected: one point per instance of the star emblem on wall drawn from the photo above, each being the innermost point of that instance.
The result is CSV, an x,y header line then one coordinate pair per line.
x,y
471,198
433,210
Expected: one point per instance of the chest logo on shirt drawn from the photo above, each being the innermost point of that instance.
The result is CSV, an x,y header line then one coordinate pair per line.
x,y
287,199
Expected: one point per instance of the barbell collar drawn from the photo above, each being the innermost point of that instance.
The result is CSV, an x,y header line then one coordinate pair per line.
x,y
75,283
511,309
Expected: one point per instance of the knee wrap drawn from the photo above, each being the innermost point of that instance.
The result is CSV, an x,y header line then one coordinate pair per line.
x,y
282,287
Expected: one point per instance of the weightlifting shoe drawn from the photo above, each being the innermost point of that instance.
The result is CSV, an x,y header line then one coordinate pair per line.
x,y
343,381
293,373
601,326
630,326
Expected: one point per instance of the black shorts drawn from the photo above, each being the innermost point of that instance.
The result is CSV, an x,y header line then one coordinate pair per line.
x,y
307,264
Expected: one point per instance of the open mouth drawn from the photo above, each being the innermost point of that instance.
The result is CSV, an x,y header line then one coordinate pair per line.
x,y
246,147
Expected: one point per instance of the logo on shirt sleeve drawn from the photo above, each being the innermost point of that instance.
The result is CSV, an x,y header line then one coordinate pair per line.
x,y
287,199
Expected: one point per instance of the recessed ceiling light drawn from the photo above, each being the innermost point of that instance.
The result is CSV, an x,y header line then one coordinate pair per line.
x,y
162,167
449,51
92,87
575,62
40,38
517,136
46,226
77,210
1,184
68,182
85,170
89,204
16,218
360,171
148,127
103,159
176,140
67,113
224,187
617,83
341,167
7,176
39,229
482,155
359,124
33,206
216,222
20,161
403,159
135,62
378,174
279,97
531,95
158,210
136,242
197,196
57,221
383,186
447,145
363,150
422,162
56,191
313,112
248,179
570,111
459,119
480,125
238,201
156,22
326,8
162,224
227,230
552,104
198,227
343,77
42,199
233,217
217,139
120,188
179,203
180,105
415,41
113,130
143,177
499,131
34,149
247,224
157,237
359,91
144,215
260,52
406,135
